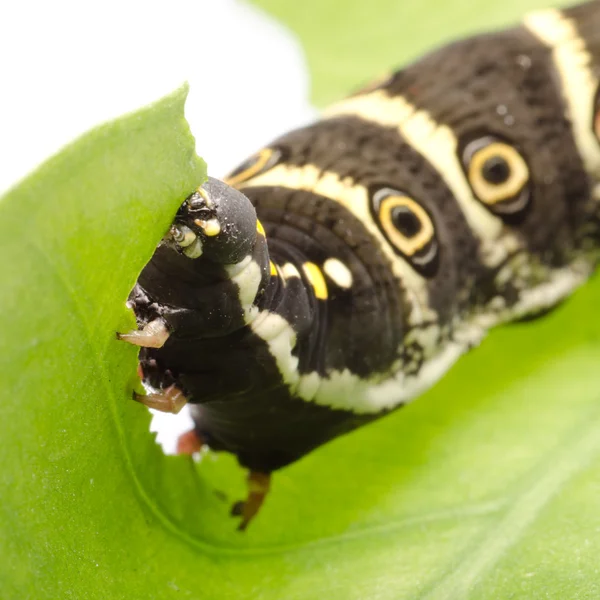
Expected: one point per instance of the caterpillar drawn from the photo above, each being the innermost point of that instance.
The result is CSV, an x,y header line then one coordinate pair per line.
x,y
340,271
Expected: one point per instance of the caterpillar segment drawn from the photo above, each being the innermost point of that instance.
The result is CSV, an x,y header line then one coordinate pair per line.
x,y
448,197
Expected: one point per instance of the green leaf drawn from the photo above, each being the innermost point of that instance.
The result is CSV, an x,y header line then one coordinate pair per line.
x,y
486,487
348,44
78,503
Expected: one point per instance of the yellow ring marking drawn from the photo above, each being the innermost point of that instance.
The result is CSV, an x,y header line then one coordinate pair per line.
x,y
491,193
261,159
273,268
407,246
316,279
260,228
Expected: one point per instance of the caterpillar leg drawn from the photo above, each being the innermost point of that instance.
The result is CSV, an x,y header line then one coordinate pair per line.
x,y
189,442
170,400
153,335
258,487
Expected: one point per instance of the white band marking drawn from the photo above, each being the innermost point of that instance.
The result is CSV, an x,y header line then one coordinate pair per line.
x,y
338,272
579,85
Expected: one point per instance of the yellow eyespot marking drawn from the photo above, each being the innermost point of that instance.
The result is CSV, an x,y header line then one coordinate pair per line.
x,y
406,224
253,166
273,268
260,228
338,272
496,171
316,279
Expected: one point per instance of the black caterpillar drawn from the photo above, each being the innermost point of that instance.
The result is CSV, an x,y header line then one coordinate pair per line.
x,y
460,192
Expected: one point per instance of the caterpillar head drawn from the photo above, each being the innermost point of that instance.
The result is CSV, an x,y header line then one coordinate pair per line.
x,y
217,222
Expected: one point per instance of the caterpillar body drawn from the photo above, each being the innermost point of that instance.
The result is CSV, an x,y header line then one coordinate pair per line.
x,y
343,269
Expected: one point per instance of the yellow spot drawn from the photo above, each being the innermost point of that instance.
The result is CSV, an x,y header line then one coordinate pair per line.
x,y
211,227
273,268
316,279
260,228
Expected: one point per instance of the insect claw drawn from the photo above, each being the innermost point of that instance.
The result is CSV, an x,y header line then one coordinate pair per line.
x,y
169,400
258,487
153,335
237,509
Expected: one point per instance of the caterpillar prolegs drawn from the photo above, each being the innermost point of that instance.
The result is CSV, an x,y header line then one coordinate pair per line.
x,y
343,269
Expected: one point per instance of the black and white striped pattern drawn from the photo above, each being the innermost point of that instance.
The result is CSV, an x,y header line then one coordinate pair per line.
x,y
461,192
